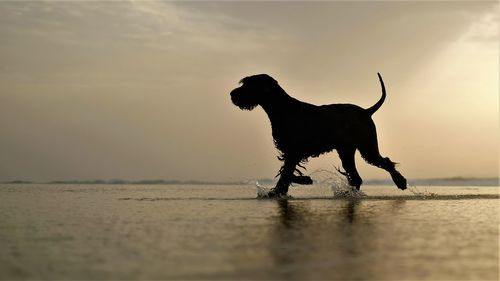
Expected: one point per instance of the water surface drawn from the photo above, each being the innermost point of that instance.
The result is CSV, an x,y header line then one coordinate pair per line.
x,y
222,232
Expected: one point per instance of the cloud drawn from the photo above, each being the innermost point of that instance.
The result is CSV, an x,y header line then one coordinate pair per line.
x,y
156,24
485,29
149,80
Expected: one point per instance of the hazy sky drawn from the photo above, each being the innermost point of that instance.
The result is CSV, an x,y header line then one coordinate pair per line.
x,y
140,90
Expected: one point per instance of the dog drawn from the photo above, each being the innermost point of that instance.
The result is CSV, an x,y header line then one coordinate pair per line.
x,y
301,130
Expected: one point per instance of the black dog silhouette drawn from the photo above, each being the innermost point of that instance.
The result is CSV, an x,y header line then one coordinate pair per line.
x,y
302,130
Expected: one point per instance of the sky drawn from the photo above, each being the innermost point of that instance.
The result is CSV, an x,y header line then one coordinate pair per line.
x,y
140,90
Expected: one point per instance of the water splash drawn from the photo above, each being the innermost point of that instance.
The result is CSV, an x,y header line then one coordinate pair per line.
x,y
423,194
323,178
263,192
338,184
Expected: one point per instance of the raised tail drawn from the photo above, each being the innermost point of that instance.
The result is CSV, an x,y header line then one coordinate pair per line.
x,y
376,106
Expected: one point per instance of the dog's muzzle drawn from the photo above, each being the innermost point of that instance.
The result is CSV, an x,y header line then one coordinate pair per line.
x,y
241,100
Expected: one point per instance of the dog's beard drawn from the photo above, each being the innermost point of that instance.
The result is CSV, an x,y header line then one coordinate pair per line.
x,y
246,107
242,105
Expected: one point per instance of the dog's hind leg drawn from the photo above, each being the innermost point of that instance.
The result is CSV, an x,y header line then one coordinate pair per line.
x,y
347,157
372,155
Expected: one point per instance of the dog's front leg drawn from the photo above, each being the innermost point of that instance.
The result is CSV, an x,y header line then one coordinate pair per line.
x,y
306,180
286,178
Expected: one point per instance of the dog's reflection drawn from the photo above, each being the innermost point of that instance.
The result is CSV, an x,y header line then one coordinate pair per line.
x,y
335,234
289,245
350,211
293,213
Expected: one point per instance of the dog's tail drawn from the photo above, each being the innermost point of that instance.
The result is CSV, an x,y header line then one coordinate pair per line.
x,y
376,106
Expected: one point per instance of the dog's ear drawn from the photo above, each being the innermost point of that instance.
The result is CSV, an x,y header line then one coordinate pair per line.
x,y
242,81
269,79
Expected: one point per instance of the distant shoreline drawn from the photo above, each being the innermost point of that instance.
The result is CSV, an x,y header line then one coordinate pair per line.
x,y
452,181
127,182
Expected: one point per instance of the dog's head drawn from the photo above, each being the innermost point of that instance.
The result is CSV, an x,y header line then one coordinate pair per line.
x,y
253,91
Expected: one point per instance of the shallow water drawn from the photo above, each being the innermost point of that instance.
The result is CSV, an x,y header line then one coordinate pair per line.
x,y
224,232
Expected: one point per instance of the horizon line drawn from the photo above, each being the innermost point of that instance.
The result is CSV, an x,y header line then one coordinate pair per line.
x,y
235,182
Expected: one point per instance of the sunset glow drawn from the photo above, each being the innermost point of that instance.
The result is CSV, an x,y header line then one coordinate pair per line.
x,y
140,90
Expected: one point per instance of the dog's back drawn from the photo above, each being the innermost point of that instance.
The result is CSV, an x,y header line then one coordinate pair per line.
x,y
314,130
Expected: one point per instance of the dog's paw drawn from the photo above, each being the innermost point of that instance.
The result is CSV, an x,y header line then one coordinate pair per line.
x,y
302,180
400,181
270,193
275,194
